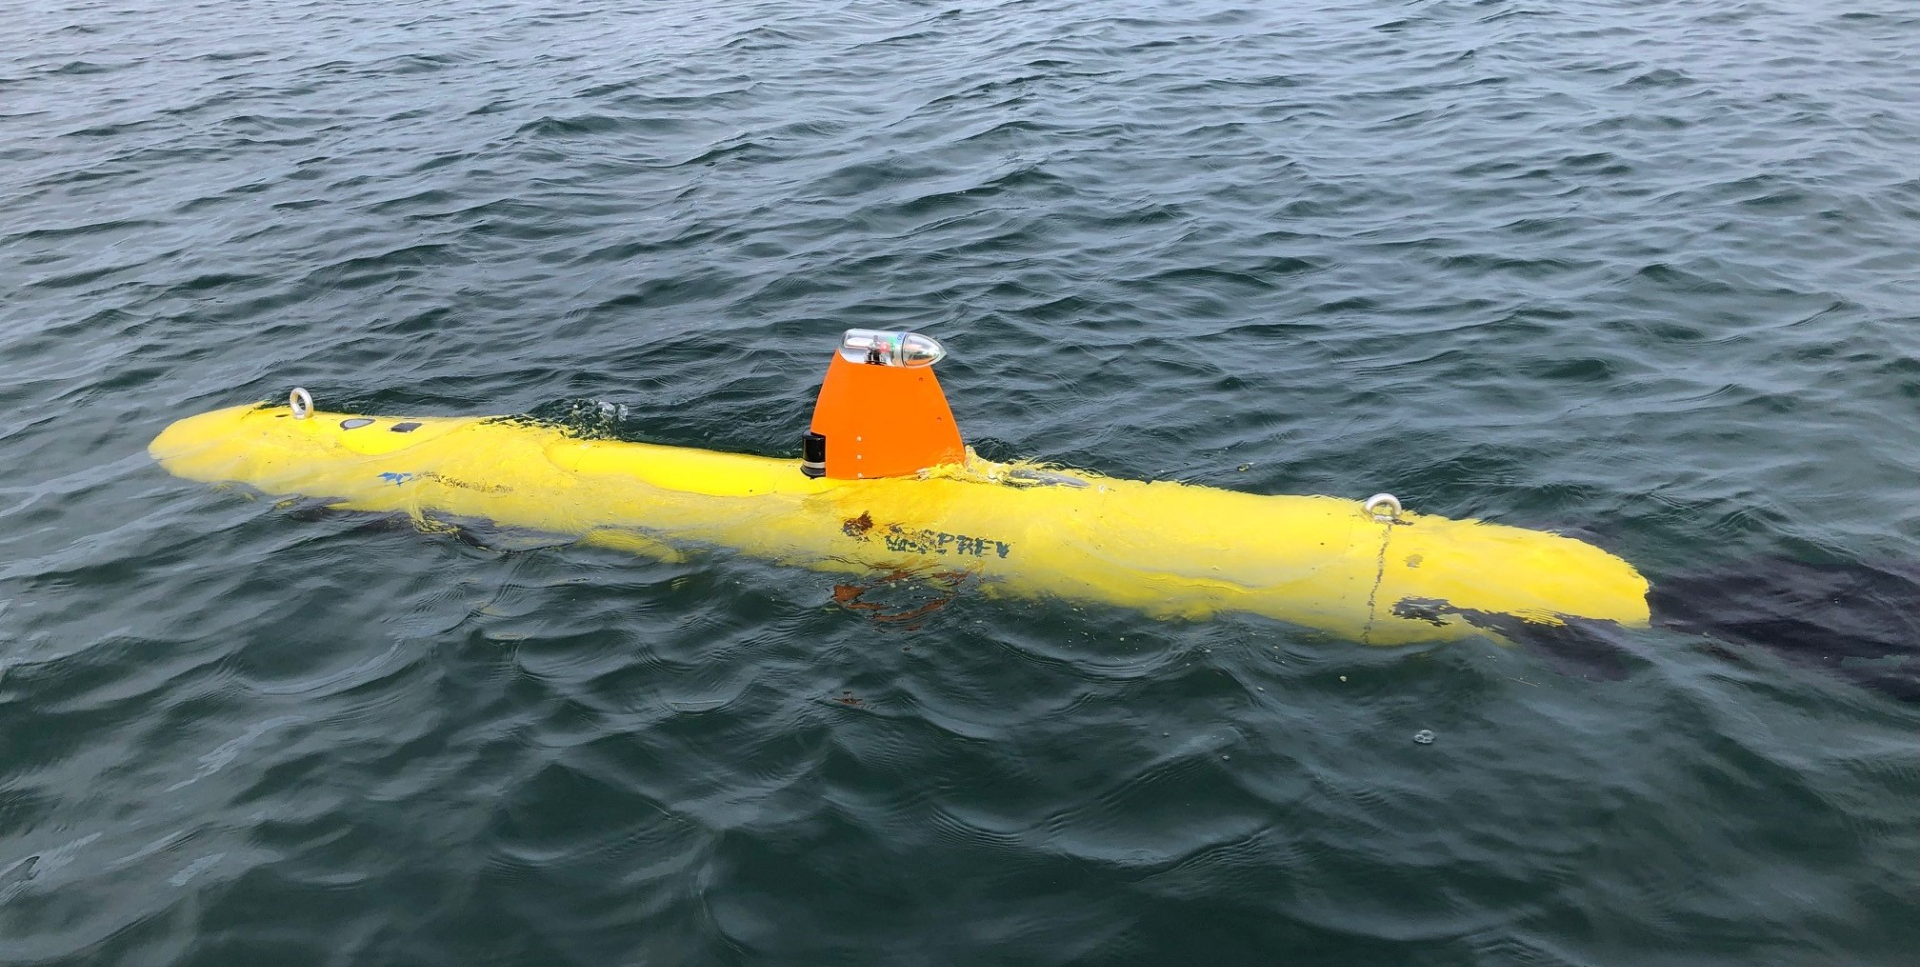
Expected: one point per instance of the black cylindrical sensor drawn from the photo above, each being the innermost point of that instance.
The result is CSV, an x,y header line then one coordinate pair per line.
x,y
813,454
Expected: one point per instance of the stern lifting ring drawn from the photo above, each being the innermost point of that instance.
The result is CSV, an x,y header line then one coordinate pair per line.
x,y
1377,501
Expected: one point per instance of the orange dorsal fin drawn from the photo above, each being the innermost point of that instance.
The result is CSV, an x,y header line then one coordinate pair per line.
x,y
884,421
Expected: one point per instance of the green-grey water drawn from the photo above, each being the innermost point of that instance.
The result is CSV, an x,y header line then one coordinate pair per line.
x,y
1644,272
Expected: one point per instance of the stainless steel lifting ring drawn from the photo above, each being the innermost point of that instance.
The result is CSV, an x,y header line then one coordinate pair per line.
x,y
1387,500
300,402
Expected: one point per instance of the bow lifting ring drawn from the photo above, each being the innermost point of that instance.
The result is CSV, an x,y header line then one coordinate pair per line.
x,y
300,402
1389,502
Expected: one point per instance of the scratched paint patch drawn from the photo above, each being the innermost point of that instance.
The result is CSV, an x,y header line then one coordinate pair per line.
x,y
398,478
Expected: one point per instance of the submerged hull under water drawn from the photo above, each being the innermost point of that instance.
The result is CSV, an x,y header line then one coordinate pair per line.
x,y
1169,549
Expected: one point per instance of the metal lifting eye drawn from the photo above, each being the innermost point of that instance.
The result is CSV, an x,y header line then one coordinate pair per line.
x,y
300,402
1390,502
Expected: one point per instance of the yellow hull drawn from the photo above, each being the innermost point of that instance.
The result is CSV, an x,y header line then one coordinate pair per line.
x,y
1169,549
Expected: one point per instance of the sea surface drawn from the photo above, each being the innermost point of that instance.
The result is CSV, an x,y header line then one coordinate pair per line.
x,y
1642,271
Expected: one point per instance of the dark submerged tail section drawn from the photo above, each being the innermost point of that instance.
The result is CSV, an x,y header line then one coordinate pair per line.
x,y
1858,620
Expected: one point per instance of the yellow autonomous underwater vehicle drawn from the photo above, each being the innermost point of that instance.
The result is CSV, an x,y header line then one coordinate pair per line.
x,y
884,485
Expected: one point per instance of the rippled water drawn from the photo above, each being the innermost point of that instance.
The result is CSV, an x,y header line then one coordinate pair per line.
x,y
1641,271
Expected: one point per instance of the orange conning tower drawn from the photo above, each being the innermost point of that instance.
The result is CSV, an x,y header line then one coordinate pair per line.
x,y
881,412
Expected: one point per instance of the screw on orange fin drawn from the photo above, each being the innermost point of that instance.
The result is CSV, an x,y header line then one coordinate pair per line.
x,y
884,421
